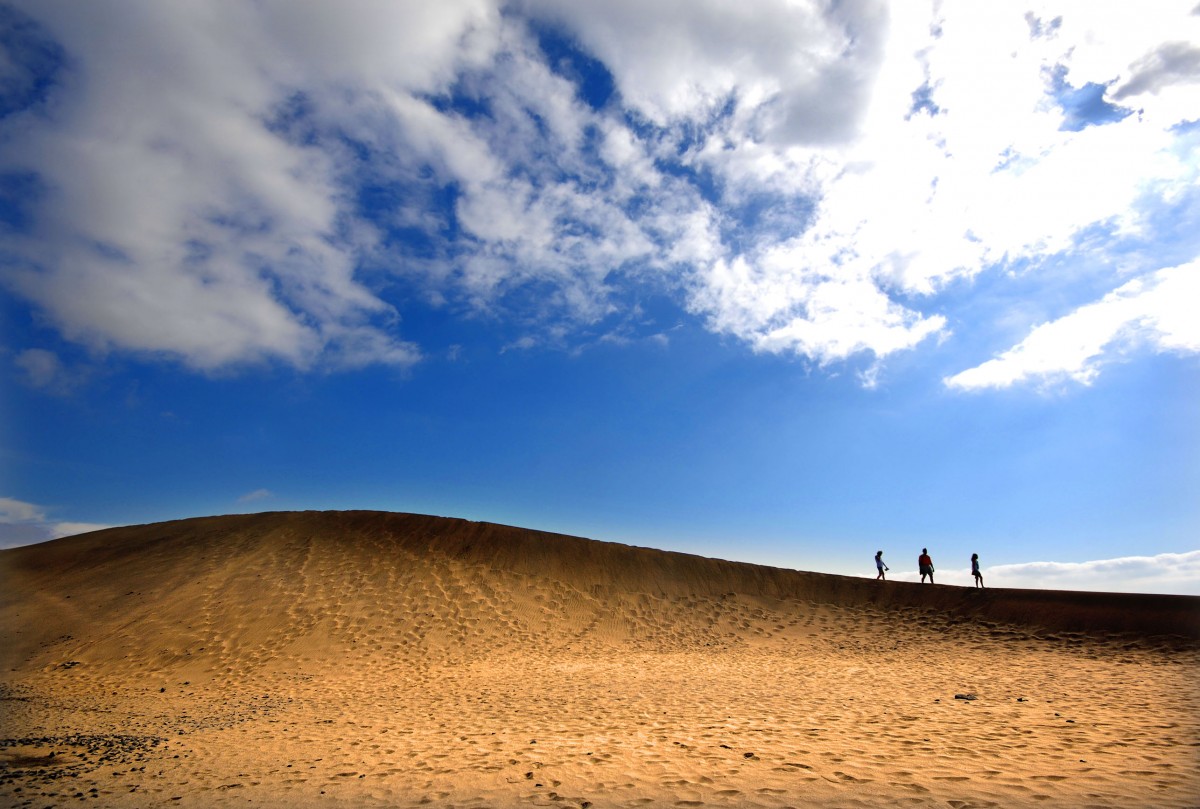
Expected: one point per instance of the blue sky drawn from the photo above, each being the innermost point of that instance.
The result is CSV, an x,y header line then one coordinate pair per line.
x,y
785,284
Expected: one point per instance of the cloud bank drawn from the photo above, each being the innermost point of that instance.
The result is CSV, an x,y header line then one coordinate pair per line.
x,y
1173,573
231,184
1161,573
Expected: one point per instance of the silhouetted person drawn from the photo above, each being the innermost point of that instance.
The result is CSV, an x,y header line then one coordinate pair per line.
x,y
926,565
975,570
880,566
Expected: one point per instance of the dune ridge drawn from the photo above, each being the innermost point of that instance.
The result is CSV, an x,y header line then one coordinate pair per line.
x,y
366,658
372,538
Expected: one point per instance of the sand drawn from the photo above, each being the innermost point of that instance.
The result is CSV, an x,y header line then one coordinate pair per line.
x,y
362,659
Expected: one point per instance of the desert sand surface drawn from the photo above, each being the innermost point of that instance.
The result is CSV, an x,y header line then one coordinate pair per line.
x,y
347,659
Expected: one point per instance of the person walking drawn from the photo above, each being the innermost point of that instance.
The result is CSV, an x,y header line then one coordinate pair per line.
x,y
925,564
880,566
975,570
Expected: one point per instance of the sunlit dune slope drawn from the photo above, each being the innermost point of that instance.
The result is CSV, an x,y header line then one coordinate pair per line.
x,y
257,589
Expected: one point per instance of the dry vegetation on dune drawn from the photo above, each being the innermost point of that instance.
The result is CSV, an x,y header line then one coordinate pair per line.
x,y
366,659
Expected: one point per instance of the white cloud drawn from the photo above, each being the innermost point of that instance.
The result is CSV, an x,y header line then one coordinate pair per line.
x,y
768,165
922,199
46,371
778,306
178,222
1162,573
1158,310
257,494
70,529
1176,573
23,523
19,511
799,73
42,368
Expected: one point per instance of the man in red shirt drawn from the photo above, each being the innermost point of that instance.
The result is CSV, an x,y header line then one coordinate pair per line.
x,y
926,565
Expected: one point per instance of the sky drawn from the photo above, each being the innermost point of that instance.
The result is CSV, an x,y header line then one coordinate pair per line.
x,y
780,282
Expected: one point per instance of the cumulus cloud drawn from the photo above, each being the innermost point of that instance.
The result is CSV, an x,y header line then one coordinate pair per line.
x,y
796,73
23,523
779,304
175,220
1159,311
955,172
236,183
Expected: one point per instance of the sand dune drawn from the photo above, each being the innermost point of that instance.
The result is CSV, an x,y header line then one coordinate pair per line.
x,y
367,659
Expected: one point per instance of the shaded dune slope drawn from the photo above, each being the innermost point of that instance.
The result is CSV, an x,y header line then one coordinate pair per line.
x,y
266,588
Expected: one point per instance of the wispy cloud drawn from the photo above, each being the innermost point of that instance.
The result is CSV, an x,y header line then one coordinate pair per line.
x,y
257,494
1158,310
23,523
43,370
19,511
